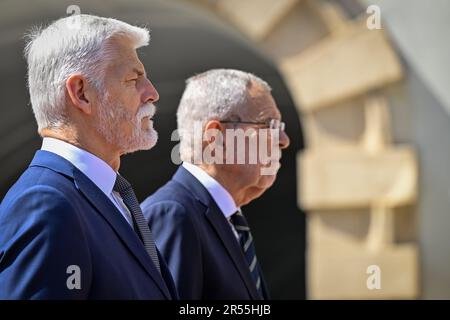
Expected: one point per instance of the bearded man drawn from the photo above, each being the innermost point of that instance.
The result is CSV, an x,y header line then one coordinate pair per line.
x,y
71,226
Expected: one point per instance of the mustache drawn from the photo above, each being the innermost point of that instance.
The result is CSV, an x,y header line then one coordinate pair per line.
x,y
147,110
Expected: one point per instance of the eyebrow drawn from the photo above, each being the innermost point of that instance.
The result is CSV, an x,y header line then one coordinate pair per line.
x,y
268,118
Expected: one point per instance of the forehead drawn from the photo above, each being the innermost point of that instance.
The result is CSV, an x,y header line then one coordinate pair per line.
x,y
261,105
124,57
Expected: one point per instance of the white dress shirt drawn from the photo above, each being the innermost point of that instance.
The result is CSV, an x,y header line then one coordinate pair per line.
x,y
221,196
98,171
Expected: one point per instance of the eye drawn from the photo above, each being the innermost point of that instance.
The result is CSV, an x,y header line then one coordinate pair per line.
x,y
132,82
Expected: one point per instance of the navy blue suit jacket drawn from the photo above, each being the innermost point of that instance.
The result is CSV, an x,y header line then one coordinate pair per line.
x,y
204,257
55,217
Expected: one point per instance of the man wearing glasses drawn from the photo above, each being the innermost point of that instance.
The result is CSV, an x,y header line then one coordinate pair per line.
x,y
196,218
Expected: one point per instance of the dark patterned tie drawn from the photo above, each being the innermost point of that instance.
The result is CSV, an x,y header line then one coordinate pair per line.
x,y
123,187
246,241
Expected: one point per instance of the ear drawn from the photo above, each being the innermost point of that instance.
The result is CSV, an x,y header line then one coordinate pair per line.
x,y
214,125
77,88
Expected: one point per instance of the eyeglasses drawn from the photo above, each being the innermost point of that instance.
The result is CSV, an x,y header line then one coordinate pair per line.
x,y
274,124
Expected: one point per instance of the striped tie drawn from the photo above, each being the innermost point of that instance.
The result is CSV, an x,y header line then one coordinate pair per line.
x,y
246,241
123,187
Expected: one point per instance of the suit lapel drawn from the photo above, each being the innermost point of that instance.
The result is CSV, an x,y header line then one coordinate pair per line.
x,y
265,290
105,208
221,226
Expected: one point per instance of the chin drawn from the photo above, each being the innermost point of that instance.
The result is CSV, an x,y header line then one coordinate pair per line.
x,y
267,181
145,141
150,140
254,194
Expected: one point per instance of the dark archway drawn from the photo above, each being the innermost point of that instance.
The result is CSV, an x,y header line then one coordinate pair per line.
x,y
185,40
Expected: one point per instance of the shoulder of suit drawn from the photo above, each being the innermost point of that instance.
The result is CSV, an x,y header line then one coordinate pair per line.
x,y
173,196
171,191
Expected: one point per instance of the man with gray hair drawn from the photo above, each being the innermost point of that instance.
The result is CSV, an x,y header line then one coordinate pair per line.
x,y
71,226
196,217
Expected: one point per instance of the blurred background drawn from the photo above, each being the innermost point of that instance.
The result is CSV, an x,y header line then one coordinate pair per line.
x,y
361,206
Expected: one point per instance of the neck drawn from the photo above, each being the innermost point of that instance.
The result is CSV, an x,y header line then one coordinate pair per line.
x,y
94,144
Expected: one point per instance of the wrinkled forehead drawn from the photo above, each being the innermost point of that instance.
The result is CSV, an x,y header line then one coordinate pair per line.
x,y
260,105
124,57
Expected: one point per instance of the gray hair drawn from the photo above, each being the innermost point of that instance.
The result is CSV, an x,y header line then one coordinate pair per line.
x,y
218,94
75,44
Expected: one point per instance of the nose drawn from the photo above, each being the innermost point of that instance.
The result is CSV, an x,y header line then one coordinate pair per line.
x,y
284,140
150,94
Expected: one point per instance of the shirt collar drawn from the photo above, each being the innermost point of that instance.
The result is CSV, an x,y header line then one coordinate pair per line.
x,y
221,196
97,170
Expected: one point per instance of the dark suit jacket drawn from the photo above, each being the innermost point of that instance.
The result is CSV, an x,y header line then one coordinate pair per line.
x,y
54,217
197,242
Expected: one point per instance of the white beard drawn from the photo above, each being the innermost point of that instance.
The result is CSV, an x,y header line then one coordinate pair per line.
x,y
113,115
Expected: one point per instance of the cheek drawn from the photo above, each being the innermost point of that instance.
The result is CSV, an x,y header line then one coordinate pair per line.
x,y
254,176
130,99
125,120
